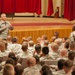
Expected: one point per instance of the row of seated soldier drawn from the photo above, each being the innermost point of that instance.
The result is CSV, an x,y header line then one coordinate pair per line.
x,y
55,57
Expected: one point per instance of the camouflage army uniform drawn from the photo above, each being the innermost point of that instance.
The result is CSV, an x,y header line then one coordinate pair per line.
x,y
4,33
72,36
33,70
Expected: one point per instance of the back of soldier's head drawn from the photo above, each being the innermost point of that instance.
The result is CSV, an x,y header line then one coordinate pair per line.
x,y
46,70
54,46
14,40
18,70
64,52
25,46
31,61
38,48
46,42
8,70
71,55
45,50
11,55
31,43
10,61
68,64
61,64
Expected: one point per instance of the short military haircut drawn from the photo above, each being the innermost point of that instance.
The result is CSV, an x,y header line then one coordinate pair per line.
x,y
18,70
68,64
14,40
10,61
46,70
31,61
61,64
8,70
11,54
31,43
38,47
71,55
45,50
24,46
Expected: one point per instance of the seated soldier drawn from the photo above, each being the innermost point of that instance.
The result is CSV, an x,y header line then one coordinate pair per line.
x,y
63,54
3,51
25,53
54,53
60,67
18,70
45,54
37,50
59,42
46,43
15,47
72,35
45,70
68,67
31,47
8,70
31,69
71,55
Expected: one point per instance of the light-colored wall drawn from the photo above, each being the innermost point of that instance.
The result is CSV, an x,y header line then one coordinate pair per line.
x,y
44,7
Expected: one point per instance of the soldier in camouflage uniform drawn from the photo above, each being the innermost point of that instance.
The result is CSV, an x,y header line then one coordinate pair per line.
x,y
5,26
72,35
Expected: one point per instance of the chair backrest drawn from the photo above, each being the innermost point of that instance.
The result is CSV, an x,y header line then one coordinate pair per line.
x,y
51,62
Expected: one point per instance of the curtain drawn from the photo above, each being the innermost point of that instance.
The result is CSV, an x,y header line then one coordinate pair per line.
x,y
8,6
69,9
20,6
31,6
0,6
66,9
38,7
50,8
73,9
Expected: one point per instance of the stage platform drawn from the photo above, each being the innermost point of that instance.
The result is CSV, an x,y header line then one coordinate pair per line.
x,y
36,27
